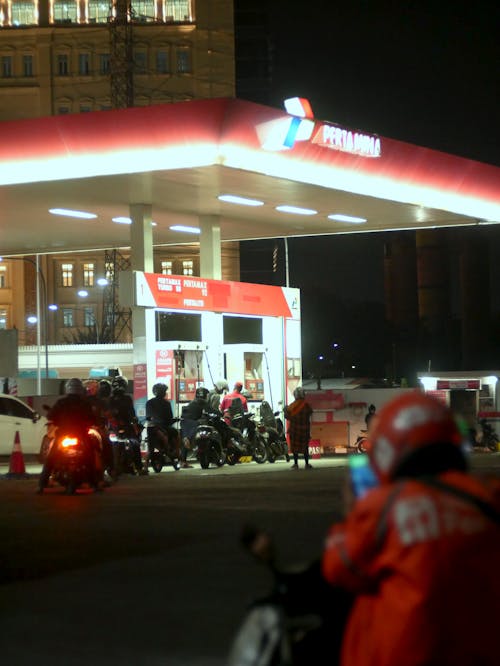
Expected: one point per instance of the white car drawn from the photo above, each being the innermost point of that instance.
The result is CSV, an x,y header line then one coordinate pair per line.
x,y
17,416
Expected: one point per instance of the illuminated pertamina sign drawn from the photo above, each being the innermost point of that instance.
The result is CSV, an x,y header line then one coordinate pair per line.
x,y
300,126
347,141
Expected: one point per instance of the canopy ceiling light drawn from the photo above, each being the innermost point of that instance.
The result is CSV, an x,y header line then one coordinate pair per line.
x,y
232,198
187,230
296,210
72,213
351,219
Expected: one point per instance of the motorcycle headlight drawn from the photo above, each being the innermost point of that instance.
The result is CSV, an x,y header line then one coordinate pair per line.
x,y
201,433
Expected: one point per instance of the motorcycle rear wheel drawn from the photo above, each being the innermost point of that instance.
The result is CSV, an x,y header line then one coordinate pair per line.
x,y
157,462
204,460
231,458
260,451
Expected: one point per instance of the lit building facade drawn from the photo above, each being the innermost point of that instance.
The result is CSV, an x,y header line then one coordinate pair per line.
x,y
57,57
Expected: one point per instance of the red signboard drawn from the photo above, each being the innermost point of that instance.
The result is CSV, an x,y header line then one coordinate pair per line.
x,y
165,368
447,384
325,400
177,292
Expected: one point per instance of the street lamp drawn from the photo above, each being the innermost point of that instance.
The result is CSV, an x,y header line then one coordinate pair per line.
x,y
40,281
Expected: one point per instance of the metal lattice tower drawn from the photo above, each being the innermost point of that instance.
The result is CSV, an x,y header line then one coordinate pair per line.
x,y
121,63
118,320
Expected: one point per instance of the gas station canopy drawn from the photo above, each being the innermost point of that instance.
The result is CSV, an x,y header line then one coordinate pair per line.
x,y
181,158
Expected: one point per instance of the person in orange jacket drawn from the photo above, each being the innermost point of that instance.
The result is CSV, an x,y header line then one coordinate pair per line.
x,y
421,551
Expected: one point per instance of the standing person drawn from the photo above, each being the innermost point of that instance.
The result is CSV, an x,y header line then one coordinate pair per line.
x,y
160,416
370,416
420,551
298,414
234,402
214,396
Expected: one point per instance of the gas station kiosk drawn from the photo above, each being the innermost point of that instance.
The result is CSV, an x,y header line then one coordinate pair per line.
x,y
198,331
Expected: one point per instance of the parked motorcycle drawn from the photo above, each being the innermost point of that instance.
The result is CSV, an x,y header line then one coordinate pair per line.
x,y
361,444
489,438
298,623
243,439
125,447
272,430
72,459
160,457
207,441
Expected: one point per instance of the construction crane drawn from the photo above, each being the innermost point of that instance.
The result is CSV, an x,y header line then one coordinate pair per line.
x,y
121,61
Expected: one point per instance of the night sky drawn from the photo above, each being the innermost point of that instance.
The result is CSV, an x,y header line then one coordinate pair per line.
x,y
425,72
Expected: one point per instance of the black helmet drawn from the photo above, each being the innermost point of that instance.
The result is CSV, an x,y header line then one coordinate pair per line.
x,y
160,390
74,386
119,384
299,393
202,393
104,390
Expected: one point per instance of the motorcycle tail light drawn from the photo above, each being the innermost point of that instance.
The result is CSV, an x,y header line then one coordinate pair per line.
x,y
68,442
262,428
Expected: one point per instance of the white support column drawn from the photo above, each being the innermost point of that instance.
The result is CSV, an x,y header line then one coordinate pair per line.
x,y
141,240
210,247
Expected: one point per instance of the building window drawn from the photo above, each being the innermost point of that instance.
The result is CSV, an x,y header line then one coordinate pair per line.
x,y
166,267
62,64
84,64
67,275
104,63
6,67
3,277
88,316
88,275
98,11
144,11
85,108
3,319
187,267
27,65
162,62
183,61
177,10
65,11
67,317
62,110
23,13
140,62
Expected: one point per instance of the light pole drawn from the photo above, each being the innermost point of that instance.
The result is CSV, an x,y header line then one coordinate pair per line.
x,y
40,280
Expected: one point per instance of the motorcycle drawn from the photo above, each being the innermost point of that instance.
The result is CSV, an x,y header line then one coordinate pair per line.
x,y
489,438
72,459
243,439
125,447
207,442
361,443
300,621
160,456
272,430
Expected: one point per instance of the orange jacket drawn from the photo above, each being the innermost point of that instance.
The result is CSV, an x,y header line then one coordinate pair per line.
x,y
424,565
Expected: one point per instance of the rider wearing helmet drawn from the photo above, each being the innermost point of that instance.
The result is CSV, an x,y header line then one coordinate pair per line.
x,y
160,417
73,412
122,416
418,551
214,395
234,403
191,413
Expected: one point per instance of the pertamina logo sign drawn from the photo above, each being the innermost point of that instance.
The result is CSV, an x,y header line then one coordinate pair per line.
x,y
347,141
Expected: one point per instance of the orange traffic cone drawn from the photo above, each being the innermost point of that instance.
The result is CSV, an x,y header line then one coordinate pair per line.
x,y
16,465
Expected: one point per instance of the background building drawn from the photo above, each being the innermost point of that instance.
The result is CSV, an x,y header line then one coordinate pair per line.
x,y
79,56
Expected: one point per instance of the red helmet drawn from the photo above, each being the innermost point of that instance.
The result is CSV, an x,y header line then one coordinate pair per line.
x,y
406,424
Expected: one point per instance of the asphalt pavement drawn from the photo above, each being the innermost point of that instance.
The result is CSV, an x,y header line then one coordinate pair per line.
x,y
150,572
